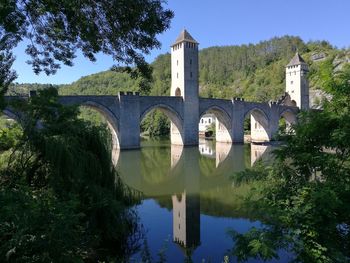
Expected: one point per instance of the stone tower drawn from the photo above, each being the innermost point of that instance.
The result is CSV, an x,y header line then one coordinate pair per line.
x,y
297,85
184,83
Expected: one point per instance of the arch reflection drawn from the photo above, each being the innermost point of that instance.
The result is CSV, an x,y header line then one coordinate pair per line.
x,y
259,152
190,182
163,169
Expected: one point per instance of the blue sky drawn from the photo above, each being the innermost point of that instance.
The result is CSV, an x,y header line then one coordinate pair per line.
x,y
224,22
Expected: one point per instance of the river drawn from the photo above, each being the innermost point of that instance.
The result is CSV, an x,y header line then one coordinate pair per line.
x,y
189,201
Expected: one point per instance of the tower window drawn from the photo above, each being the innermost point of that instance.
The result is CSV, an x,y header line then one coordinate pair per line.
x,y
291,82
177,62
190,61
177,75
191,74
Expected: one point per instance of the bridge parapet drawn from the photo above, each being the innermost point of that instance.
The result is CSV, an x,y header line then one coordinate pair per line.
x,y
128,93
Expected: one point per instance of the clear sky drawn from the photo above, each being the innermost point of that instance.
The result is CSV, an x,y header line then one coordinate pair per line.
x,y
224,22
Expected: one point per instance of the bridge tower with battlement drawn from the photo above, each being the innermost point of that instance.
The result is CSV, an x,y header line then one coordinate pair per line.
x,y
297,85
184,83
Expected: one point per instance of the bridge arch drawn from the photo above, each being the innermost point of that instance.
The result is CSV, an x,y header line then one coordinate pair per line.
x,y
11,114
290,118
112,120
258,110
259,125
176,129
289,115
223,122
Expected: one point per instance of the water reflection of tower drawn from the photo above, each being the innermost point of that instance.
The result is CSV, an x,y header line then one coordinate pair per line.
x,y
186,220
176,153
186,205
258,152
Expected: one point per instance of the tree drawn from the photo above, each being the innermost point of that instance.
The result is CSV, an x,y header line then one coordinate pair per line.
x,y
61,197
55,30
6,74
306,192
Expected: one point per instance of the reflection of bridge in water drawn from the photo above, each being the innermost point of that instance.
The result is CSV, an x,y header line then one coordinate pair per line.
x,y
185,172
175,164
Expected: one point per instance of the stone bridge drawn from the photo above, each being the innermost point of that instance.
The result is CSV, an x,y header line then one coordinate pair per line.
x,y
185,108
125,112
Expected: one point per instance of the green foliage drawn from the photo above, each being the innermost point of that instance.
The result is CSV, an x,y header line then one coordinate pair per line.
x,y
61,198
16,89
255,244
6,74
103,83
161,75
90,115
282,126
211,130
307,190
246,125
9,132
56,30
247,69
156,124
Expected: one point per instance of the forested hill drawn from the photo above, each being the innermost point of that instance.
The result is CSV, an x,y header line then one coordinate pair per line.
x,y
254,71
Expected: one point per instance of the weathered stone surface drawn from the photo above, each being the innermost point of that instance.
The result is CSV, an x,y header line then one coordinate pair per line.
x,y
125,111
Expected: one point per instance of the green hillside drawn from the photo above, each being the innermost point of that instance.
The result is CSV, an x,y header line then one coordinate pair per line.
x,y
103,83
255,72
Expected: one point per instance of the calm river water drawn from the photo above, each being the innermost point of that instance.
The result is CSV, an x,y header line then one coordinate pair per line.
x,y
189,200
